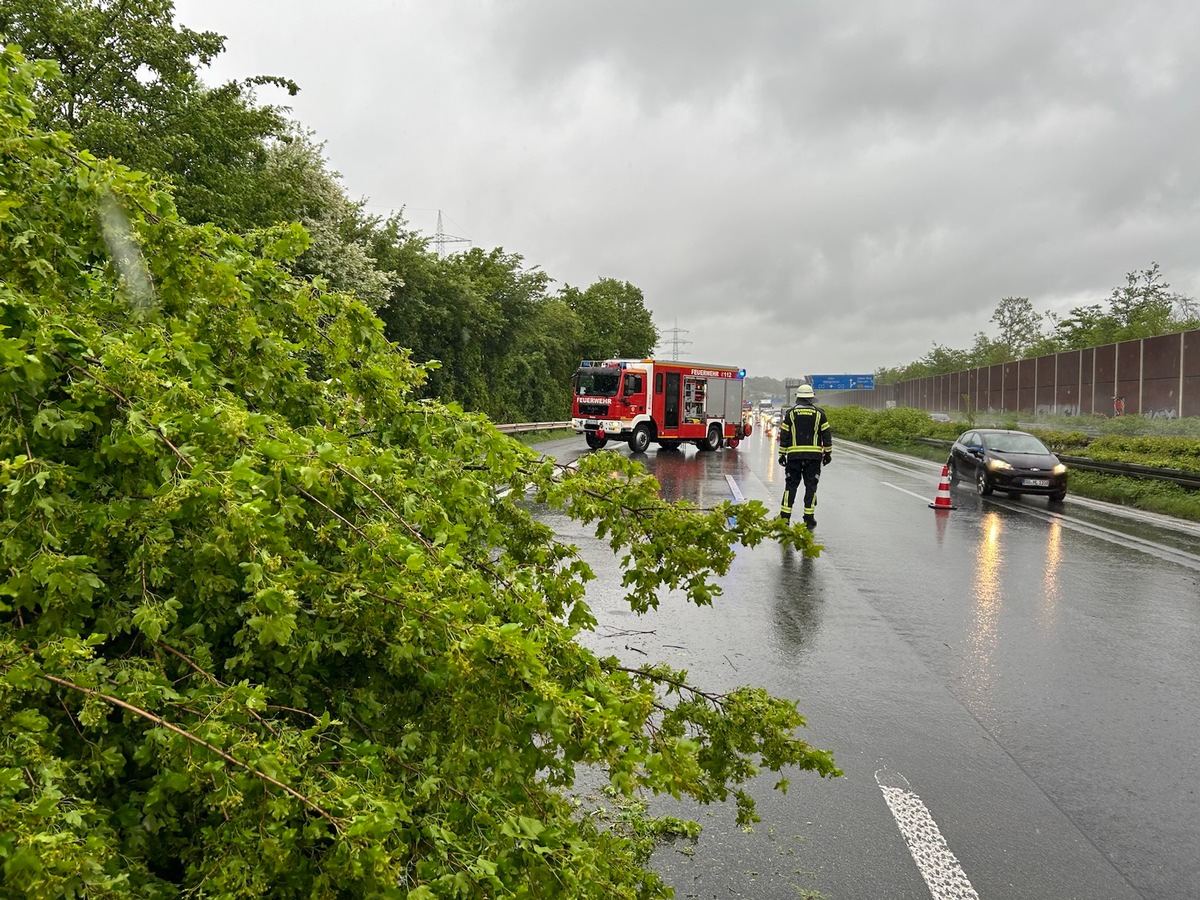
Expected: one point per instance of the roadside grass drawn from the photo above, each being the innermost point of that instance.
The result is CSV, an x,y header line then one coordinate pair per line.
x,y
1139,493
894,430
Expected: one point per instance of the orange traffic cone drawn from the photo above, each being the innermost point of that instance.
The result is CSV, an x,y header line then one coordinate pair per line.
x,y
942,500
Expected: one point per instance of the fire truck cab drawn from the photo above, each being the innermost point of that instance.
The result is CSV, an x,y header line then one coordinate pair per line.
x,y
667,402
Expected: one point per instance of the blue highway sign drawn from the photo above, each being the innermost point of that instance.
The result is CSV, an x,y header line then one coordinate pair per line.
x,y
843,382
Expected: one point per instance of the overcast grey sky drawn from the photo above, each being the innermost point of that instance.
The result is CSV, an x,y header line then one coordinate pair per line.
x,y
805,187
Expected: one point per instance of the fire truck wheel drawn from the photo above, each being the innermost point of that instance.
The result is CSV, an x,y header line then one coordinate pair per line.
x,y
640,439
713,441
595,442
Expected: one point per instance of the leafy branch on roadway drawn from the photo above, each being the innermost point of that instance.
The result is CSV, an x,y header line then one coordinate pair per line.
x,y
195,739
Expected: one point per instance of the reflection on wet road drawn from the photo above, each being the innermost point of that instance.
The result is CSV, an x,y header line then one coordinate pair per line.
x,y
986,596
1033,675
797,605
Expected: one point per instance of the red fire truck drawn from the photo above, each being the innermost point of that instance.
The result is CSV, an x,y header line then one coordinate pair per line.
x,y
662,401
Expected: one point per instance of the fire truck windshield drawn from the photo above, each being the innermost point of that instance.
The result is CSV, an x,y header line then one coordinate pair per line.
x,y
594,382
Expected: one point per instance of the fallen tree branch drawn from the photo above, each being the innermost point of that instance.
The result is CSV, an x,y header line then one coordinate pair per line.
x,y
199,741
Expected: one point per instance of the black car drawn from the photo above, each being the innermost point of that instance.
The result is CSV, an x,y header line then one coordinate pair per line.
x,y
1011,461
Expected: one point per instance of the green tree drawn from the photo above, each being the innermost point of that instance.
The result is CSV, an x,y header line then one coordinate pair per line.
x,y
439,311
1144,305
986,352
304,190
270,625
1186,313
616,322
502,343
1019,324
937,361
129,89
507,297
1086,326
545,361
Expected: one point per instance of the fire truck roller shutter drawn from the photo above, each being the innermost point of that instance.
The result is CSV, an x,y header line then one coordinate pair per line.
x,y
716,398
733,400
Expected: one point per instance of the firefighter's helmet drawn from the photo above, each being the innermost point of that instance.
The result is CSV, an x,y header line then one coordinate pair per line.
x,y
805,392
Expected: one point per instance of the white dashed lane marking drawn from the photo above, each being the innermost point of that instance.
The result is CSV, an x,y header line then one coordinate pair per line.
x,y
737,491
938,866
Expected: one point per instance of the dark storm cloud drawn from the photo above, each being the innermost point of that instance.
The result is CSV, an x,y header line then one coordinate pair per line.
x,y
829,64
814,186
930,158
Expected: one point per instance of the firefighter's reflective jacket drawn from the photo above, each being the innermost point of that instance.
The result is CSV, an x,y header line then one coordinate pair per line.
x,y
804,431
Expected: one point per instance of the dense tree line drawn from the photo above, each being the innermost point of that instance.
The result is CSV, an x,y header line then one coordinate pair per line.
x,y
129,87
1145,306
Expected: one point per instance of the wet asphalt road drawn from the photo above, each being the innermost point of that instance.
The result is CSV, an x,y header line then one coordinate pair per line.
x,y
1027,677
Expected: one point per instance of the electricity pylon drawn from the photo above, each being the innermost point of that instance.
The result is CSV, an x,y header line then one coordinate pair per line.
x,y
441,239
676,340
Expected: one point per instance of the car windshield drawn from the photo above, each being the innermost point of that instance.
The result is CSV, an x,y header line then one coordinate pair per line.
x,y
595,382
1014,443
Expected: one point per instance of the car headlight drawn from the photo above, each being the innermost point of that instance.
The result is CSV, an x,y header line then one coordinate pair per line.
x,y
1060,469
998,465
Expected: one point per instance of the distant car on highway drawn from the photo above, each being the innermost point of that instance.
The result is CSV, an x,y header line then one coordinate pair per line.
x,y
940,417
1015,462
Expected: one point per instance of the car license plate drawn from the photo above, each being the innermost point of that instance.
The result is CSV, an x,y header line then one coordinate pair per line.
x,y
591,423
1037,482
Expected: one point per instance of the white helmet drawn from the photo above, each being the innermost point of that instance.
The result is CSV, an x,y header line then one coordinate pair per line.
x,y
805,391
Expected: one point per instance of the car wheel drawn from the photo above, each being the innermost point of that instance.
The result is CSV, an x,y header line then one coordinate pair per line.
x,y
982,487
952,469
640,439
594,441
1059,497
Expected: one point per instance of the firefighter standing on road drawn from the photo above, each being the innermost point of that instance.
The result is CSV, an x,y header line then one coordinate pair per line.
x,y
805,442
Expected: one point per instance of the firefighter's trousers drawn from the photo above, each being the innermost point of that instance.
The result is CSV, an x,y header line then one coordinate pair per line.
x,y
800,468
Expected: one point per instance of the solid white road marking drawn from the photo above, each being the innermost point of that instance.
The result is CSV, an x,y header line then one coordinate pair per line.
x,y
1112,536
1154,548
902,490
939,867
737,492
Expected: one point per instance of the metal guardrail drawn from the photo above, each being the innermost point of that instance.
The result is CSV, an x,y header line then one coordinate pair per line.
x,y
1129,470
531,426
